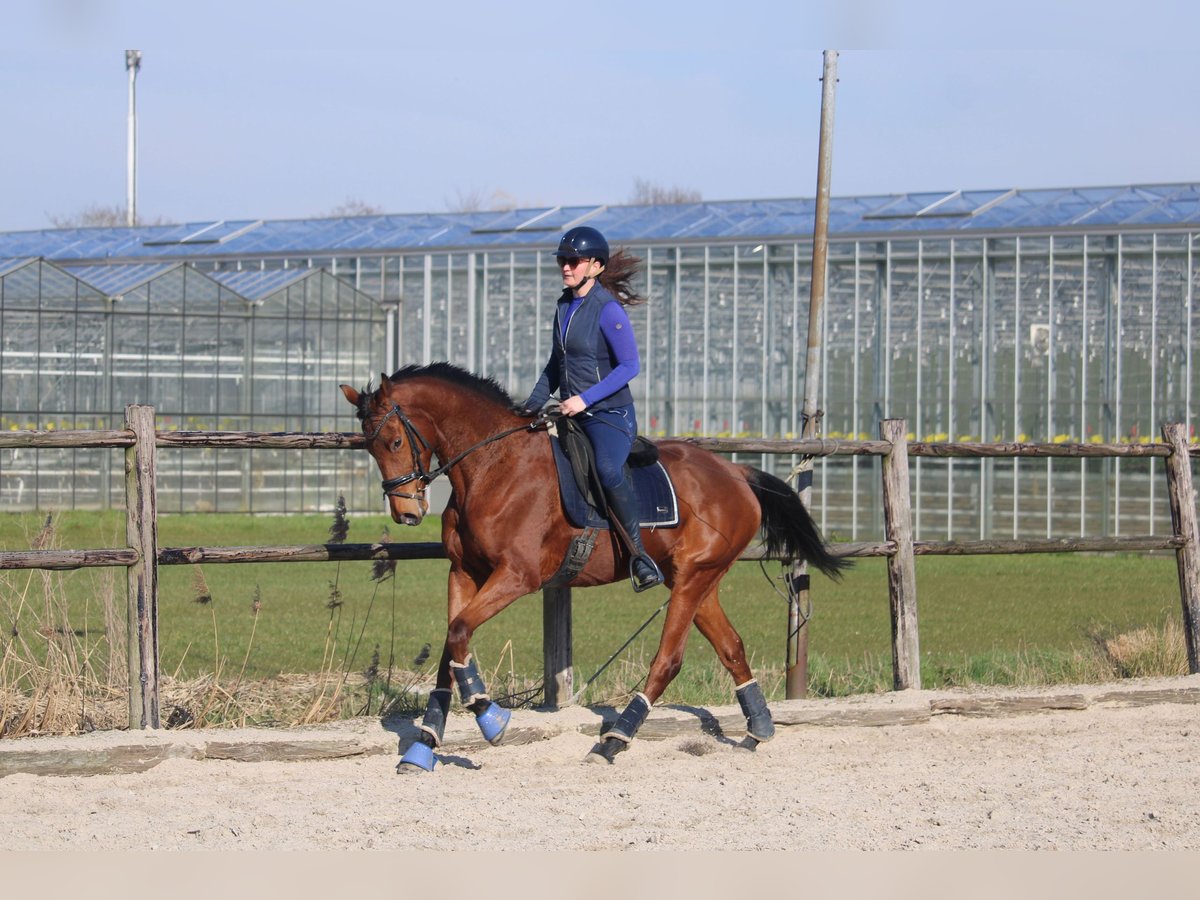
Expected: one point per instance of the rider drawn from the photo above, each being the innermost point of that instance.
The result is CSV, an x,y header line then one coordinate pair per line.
x,y
593,359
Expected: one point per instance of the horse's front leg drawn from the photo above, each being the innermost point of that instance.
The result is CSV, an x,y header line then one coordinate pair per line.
x,y
502,587
461,588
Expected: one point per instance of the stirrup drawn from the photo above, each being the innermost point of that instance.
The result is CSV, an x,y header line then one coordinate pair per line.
x,y
653,580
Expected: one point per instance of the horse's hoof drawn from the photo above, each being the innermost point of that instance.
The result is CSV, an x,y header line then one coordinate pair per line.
x,y
493,722
763,734
410,769
418,758
605,751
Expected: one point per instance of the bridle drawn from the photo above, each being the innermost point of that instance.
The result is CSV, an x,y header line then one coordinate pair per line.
x,y
418,472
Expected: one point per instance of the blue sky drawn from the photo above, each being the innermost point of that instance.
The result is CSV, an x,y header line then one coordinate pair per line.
x,y
263,109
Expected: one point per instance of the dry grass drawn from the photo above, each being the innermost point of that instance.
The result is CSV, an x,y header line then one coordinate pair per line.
x,y
59,676
1146,652
55,677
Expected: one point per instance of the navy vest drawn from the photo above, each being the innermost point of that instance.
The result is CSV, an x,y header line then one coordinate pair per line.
x,y
584,356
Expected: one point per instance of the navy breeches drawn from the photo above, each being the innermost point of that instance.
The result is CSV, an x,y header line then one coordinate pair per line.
x,y
611,432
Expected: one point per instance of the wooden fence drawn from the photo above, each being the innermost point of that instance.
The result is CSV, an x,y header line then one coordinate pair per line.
x,y
142,556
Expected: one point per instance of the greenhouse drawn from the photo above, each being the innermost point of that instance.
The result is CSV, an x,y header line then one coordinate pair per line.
x,y
240,351
1041,315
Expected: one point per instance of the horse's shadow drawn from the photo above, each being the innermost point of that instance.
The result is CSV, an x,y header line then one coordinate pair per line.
x,y
709,724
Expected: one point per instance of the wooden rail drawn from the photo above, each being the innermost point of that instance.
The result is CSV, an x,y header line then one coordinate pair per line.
x,y
140,441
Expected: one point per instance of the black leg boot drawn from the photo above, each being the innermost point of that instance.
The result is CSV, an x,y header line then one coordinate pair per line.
x,y
623,507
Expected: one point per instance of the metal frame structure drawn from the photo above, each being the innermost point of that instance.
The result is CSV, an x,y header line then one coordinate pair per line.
x,y
234,351
1046,315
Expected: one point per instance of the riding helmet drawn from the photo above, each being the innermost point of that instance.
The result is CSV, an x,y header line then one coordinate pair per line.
x,y
584,242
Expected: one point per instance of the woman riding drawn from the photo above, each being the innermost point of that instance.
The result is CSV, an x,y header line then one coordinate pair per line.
x,y
593,359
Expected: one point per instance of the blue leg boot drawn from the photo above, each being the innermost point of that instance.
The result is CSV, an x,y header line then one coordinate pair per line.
x,y
491,718
420,753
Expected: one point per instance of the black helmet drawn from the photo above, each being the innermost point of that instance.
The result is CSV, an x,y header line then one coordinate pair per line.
x,y
584,242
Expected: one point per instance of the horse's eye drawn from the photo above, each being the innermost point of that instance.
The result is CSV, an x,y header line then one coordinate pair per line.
x,y
397,443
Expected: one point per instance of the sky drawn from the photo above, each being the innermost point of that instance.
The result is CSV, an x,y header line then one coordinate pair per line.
x,y
263,109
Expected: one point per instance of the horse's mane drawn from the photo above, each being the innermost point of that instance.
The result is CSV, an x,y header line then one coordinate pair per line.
x,y
487,388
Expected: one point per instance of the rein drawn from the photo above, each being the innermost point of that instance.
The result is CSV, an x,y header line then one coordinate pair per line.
x,y
418,472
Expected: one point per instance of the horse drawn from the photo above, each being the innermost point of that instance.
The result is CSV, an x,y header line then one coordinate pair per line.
x,y
506,536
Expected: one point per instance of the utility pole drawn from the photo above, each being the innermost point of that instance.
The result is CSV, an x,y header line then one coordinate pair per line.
x,y
133,62
797,645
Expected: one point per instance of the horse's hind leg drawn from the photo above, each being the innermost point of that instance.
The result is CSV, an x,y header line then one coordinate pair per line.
x,y
663,669
715,625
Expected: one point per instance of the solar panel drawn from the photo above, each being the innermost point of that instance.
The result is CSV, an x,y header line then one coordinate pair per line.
x,y
212,233
1142,205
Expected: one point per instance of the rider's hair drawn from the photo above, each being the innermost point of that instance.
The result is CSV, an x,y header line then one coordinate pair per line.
x,y
622,268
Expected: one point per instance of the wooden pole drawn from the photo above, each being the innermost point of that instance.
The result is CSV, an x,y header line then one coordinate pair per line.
x,y
902,578
1183,519
797,644
141,533
556,647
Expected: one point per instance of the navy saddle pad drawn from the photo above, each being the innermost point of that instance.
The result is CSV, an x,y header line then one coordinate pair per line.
x,y
657,505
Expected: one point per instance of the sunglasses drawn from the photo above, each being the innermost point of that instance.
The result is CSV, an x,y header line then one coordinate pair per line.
x,y
571,261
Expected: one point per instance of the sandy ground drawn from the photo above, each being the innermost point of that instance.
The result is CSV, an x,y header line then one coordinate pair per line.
x,y
1104,777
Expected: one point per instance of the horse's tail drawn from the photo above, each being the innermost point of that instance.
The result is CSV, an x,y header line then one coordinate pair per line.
x,y
788,529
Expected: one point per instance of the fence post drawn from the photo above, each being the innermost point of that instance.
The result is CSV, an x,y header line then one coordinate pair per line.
x,y
1183,520
141,533
902,577
557,652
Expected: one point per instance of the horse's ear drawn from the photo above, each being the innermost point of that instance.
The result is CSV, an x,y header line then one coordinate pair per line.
x,y
351,394
385,383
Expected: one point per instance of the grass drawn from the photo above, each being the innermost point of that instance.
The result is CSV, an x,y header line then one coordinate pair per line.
x,y
350,642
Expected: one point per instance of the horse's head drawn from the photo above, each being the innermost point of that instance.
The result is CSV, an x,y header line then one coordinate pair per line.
x,y
400,450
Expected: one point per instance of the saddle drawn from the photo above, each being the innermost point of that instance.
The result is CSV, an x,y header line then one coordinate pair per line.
x,y
579,482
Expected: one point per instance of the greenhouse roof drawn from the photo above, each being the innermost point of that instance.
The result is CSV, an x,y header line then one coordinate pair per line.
x,y
956,212
256,285
113,281
11,265
116,279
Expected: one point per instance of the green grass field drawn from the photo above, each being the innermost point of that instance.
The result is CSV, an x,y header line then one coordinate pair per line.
x,y
996,619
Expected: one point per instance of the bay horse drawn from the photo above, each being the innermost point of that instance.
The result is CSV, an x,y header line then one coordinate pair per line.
x,y
506,535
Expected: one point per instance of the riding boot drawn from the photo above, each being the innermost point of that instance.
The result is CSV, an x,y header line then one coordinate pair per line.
x,y
623,507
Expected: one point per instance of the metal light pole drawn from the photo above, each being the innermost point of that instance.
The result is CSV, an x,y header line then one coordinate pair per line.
x,y
797,645
133,62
